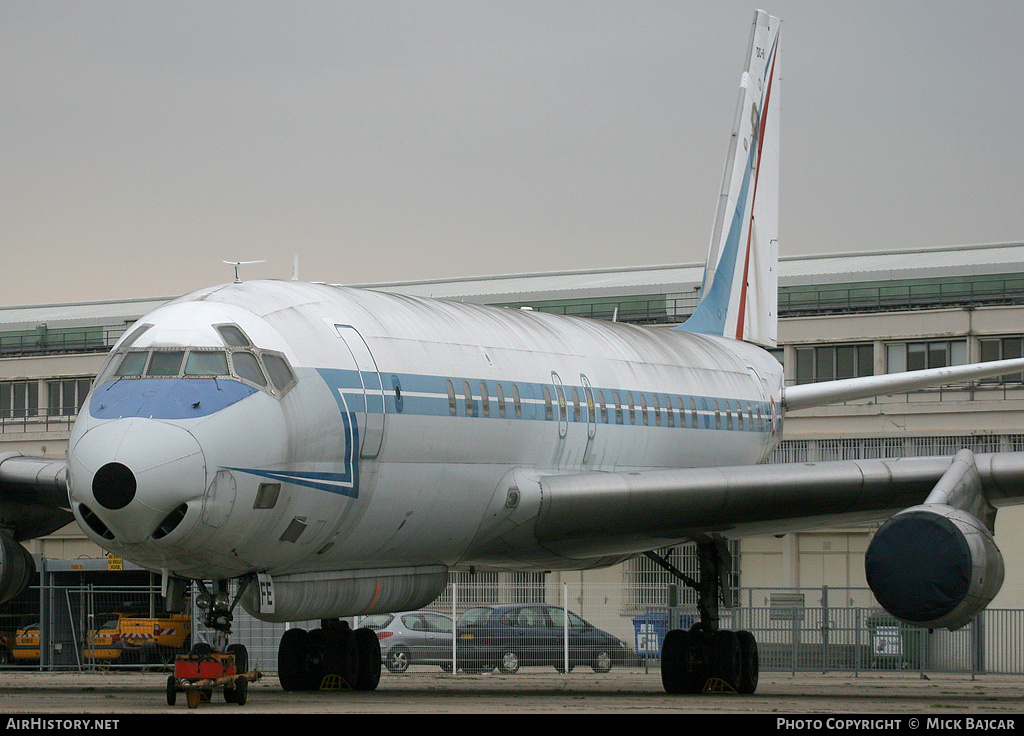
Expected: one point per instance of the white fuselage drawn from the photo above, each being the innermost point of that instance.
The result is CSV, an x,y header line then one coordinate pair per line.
x,y
388,442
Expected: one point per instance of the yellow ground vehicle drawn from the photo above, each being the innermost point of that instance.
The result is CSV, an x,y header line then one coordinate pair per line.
x,y
26,644
120,638
129,639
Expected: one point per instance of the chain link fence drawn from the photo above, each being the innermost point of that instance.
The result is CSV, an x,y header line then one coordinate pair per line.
x,y
819,630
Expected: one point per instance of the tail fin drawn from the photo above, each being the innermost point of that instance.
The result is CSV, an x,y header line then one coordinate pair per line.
x,y
739,296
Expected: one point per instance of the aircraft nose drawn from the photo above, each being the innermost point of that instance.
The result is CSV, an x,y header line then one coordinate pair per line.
x,y
130,476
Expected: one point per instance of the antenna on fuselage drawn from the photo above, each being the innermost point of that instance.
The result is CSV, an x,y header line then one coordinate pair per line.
x,y
236,264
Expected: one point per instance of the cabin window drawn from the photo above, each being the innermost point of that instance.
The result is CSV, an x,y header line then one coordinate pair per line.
x,y
452,404
657,410
604,407
591,414
501,399
643,408
548,413
467,393
618,408
670,416
693,413
563,413
575,404
718,415
632,407
485,400
516,403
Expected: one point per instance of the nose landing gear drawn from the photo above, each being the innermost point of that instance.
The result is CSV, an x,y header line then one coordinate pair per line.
x,y
207,667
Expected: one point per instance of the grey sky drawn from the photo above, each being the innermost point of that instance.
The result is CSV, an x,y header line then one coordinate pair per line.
x,y
143,143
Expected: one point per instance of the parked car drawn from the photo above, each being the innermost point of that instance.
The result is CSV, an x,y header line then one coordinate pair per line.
x,y
512,636
413,637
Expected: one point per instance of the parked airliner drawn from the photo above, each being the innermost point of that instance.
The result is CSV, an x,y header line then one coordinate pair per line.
x,y
339,451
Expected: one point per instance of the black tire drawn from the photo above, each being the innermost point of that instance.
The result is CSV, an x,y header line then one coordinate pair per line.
x,y
508,663
241,691
681,672
397,660
294,655
201,649
724,662
750,664
172,691
368,671
341,653
241,657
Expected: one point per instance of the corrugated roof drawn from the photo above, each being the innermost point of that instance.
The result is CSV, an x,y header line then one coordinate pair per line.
x,y
920,263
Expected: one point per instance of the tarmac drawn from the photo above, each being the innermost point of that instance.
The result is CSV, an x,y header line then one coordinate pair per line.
x,y
944,698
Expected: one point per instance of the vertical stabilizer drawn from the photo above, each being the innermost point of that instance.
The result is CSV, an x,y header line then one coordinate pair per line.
x,y
739,295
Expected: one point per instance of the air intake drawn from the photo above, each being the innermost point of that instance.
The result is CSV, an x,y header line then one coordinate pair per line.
x,y
170,522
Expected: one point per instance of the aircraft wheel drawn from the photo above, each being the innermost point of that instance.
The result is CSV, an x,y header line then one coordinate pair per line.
x,y
724,662
749,663
341,653
680,672
368,670
297,663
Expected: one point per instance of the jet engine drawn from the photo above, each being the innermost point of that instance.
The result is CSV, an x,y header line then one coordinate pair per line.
x,y
16,568
934,566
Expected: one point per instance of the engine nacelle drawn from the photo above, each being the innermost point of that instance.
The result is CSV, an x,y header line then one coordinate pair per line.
x,y
17,568
934,566
340,593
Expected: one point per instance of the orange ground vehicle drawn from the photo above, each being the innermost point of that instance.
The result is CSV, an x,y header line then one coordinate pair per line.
x,y
129,639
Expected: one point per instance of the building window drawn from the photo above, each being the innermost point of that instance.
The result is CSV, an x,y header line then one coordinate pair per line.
x,y
19,398
66,396
831,362
1002,348
916,356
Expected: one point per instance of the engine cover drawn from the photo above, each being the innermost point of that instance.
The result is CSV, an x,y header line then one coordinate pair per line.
x,y
17,568
934,566
347,593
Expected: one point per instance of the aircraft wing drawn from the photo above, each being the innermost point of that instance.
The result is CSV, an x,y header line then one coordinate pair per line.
x,y
33,496
591,514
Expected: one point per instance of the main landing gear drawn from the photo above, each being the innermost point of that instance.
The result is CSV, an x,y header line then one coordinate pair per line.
x,y
706,658
331,657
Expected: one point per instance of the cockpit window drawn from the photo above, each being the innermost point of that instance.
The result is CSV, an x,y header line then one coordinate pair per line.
x,y
280,374
131,365
234,336
166,363
206,363
246,366
133,336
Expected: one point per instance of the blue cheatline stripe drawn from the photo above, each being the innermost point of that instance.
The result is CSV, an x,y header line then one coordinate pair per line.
x,y
426,395
345,483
